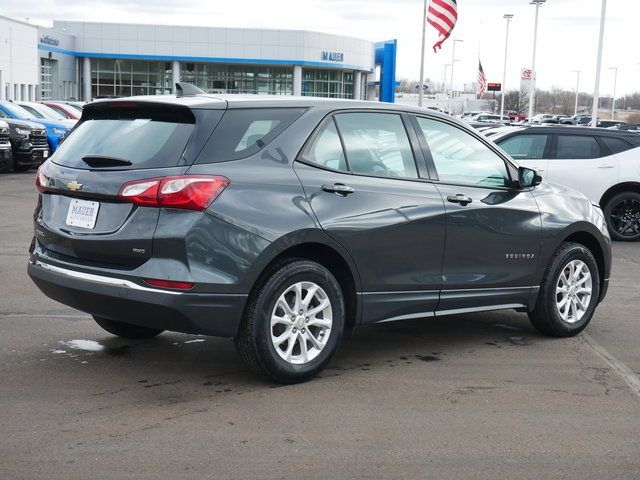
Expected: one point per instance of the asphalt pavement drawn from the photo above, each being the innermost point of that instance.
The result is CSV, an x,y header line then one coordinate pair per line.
x,y
469,397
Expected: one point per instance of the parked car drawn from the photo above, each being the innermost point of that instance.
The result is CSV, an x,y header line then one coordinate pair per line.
x,y
602,164
610,123
41,111
626,127
6,154
69,111
284,223
583,120
542,118
489,118
515,116
55,129
28,144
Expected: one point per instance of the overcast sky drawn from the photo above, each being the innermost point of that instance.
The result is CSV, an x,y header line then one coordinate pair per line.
x,y
567,34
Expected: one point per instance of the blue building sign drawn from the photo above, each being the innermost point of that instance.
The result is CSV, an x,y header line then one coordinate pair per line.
x,y
333,56
49,40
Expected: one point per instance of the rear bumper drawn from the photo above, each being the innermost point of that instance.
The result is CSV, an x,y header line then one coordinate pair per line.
x,y
129,302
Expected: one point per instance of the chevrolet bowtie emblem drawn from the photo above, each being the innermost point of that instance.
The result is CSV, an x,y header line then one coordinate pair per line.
x,y
74,186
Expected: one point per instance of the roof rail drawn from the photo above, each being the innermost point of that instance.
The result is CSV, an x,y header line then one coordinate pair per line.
x,y
184,89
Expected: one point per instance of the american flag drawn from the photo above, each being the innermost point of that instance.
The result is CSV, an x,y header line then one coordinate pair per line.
x,y
443,15
482,80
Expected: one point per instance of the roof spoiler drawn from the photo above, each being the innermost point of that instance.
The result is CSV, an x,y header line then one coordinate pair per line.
x,y
184,89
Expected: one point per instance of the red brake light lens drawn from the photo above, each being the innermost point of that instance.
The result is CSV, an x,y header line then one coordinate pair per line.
x,y
41,181
191,192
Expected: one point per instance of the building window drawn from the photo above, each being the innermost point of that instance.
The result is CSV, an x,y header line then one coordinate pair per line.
x,y
327,83
235,78
123,78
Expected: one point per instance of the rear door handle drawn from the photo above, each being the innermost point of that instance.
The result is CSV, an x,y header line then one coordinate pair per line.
x,y
606,165
339,189
460,199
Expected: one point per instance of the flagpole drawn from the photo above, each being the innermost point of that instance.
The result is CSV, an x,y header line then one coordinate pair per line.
x,y
424,34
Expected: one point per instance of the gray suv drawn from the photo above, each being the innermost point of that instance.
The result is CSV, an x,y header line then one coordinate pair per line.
x,y
284,223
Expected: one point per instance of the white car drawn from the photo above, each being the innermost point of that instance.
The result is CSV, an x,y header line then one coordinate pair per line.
x,y
40,110
603,164
488,117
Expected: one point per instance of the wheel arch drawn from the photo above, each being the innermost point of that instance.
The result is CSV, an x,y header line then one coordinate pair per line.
x,y
316,246
619,188
590,241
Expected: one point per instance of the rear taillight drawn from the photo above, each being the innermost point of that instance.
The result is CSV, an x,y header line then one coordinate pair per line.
x,y
41,181
191,192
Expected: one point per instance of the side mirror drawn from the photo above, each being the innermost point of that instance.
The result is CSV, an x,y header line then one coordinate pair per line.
x,y
528,177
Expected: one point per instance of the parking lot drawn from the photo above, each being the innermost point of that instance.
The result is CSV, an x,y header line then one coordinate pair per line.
x,y
476,396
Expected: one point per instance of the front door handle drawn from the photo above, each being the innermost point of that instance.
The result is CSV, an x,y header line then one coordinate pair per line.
x,y
606,165
460,199
339,189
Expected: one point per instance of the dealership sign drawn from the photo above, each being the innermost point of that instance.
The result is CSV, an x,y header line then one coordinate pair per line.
x,y
49,40
333,56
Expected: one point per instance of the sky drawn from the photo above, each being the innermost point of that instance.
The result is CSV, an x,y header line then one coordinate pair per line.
x,y
567,36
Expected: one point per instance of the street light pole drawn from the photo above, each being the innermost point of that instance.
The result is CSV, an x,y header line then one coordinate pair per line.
x,y
424,33
453,62
508,16
596,90
532,94
575,111
615,84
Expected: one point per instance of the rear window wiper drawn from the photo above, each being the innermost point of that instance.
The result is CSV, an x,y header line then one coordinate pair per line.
x,y
105,161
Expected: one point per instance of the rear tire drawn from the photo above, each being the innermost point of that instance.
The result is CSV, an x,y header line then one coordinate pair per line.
x,y
293,323
6,166
126,330
569,292
622,213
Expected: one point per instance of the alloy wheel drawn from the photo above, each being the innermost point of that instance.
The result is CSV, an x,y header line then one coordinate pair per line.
x,y
301,323
625,217
573,291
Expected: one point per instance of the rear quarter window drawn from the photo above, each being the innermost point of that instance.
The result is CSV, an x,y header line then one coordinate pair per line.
x,y
244,132
616,145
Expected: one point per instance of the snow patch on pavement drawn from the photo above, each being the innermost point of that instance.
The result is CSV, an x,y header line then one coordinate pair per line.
x,y
195,341
86,345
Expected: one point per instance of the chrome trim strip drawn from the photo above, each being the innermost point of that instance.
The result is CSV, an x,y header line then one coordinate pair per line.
x,y
99,279
495,289
409,316
489,308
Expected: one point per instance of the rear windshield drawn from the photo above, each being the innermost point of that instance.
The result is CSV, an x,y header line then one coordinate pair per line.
x,y
146,137
244,132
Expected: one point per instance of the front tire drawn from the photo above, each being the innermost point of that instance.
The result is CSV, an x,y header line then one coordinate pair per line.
x,y
127,330
569,292
293,323
622,213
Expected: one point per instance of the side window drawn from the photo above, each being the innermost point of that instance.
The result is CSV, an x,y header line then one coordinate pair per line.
x,y
326,150
461,158
245,131
377,144
525,147
616,145
577,147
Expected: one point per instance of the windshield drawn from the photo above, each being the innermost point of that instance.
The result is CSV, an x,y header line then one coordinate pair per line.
x,y
33,111
49,112
17,111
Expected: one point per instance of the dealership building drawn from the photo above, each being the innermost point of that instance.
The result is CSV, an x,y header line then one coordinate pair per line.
x,y
86,60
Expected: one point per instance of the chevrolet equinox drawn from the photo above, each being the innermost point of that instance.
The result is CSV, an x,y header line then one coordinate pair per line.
x,y
285,222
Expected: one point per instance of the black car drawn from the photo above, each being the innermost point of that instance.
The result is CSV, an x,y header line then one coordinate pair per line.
x,y
6,154
285,222
29,144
